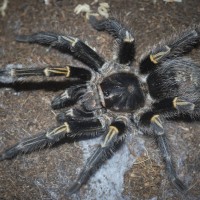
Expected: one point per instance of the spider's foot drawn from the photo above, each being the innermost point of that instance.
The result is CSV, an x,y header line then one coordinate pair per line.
x,y
164,147
179,185
22,38
9,153
74,188
2,157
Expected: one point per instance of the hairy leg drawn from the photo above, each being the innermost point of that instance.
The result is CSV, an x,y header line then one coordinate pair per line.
x,y
176,47
66,44
124,37
151,123
70,72
112,140
70,129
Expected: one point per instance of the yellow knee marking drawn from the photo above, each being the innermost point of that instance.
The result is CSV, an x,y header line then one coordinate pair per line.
x,y
64,128
128,37
156,57
156,119
180,102
111,133
72,40
65,71
153,59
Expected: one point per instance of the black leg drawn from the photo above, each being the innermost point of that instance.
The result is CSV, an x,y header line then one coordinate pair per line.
x,y
124,37
66,44
111,141
173,48
68,71
70,129
173,106
152,123
164,148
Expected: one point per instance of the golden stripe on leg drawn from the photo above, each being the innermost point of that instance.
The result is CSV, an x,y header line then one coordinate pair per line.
x,y
62,71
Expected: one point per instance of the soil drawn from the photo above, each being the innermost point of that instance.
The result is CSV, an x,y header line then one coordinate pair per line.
x,y
25,108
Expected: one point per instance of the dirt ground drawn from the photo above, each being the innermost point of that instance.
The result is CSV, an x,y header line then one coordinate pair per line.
x,y
46,174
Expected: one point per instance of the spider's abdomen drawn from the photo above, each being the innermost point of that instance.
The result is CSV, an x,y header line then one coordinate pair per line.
x,y
122,92
178,77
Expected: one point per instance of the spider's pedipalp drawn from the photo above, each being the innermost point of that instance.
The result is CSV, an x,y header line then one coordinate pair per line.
x,y
124,37
66,44
70,72
75,113
111,142
69,97
176,47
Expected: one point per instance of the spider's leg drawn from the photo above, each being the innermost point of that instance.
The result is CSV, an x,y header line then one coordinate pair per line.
x,y
164,148
171,107
112,140
66,44
151,123
70,72
70,129
177,46
124,37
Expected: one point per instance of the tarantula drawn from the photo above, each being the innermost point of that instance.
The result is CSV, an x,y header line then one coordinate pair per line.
x,y
114,99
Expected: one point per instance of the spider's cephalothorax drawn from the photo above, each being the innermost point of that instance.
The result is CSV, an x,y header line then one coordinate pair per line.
x,y
122,92
114,98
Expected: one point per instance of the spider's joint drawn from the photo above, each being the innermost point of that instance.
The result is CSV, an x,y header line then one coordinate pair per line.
x,y
104,120
181,104
61,129
101,96
168,158
12,72
65,95
128,38
158,56
157,125
94,76
70,39
113,131
123,118
106,68
70,112
195,33
65,71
